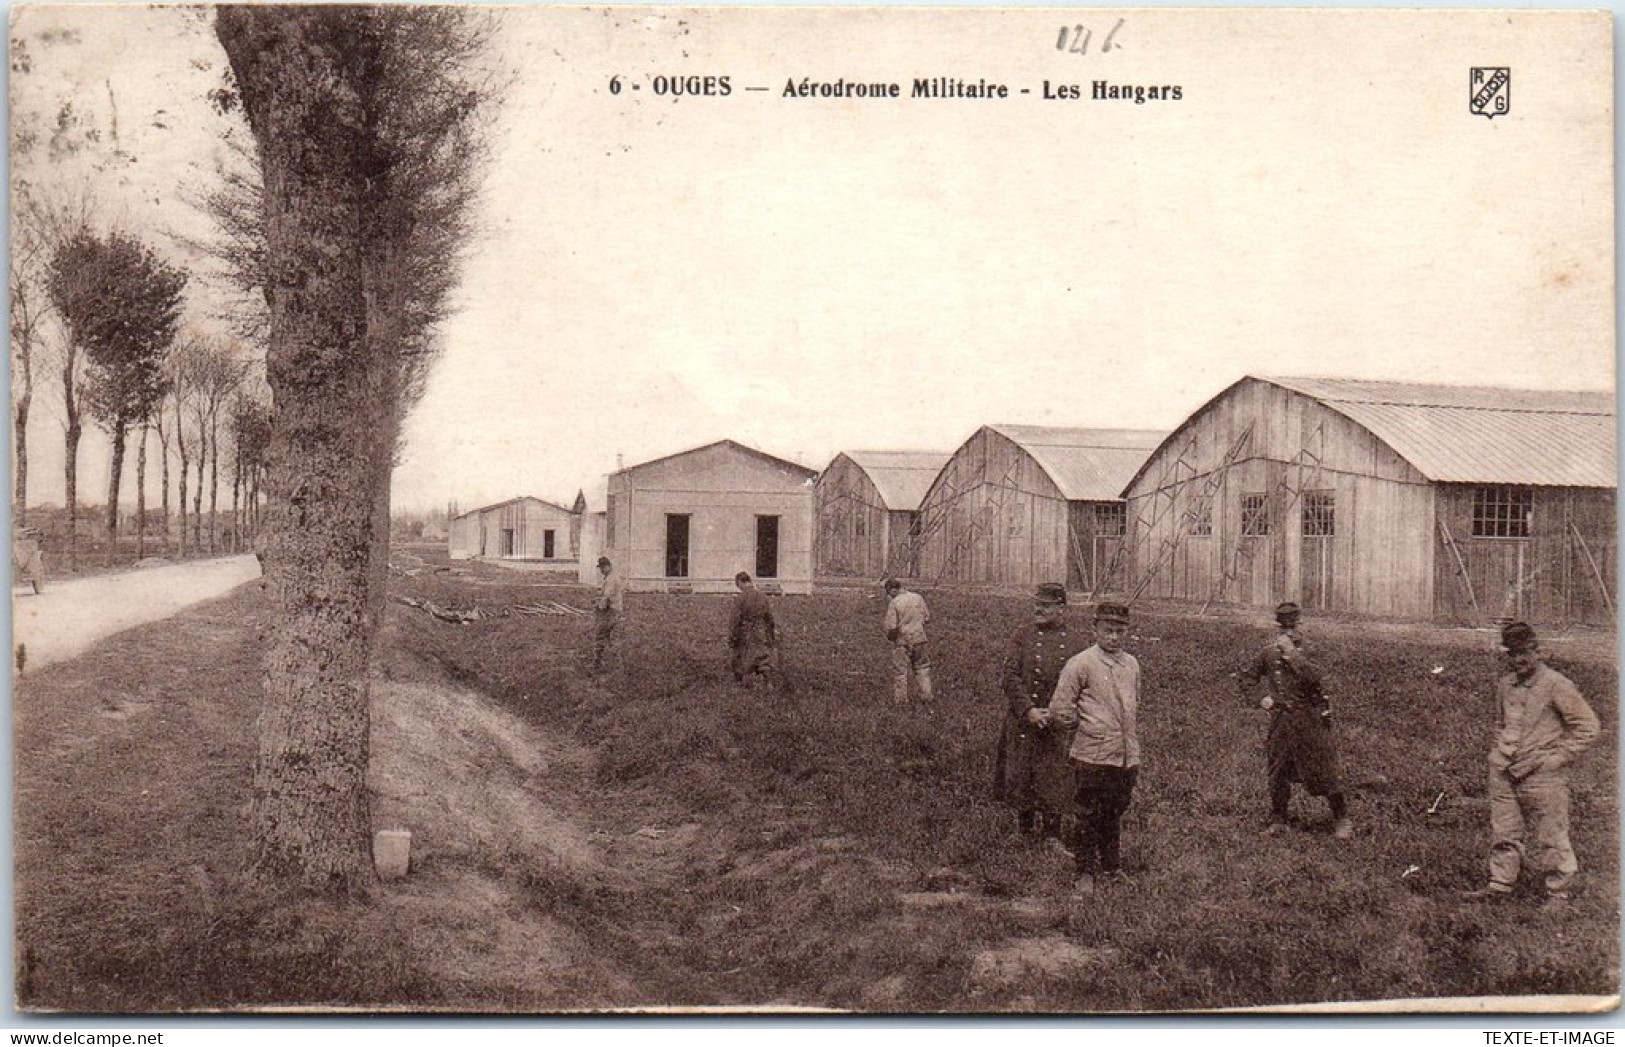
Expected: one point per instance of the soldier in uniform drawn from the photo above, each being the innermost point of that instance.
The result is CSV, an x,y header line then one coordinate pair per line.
x,y
1542,726
606,611
1300,746
753,636
1032,772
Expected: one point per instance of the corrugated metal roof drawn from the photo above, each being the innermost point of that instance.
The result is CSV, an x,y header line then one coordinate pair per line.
x,y
1088,465
1481,434
901,477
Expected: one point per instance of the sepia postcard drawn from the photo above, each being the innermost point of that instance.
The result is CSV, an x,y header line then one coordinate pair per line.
x,y
868,510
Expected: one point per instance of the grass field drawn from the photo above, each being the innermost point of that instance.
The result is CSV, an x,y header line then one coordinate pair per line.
x,y
659,836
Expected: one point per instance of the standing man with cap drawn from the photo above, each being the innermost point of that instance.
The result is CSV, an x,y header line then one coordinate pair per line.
x,y
753,637
1542,724
1099,694
1032,773
906,615
606,611
1300,746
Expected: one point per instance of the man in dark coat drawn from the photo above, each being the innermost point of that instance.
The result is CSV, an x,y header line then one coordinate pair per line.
x,y
753,636
1301,747
1032,773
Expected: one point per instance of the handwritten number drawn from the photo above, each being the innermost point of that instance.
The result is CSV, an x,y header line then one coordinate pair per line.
x,y
1075,39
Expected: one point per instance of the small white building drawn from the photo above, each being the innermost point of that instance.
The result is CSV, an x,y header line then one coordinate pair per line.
x,y
523,528
690,521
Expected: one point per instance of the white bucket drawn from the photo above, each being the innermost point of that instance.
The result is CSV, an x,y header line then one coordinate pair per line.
x,y
391,852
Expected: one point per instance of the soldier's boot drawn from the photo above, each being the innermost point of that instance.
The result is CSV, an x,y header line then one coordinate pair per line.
x,y
922,679
1342,827
1280,805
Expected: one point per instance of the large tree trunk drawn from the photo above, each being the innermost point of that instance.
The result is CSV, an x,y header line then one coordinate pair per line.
x,y
309,808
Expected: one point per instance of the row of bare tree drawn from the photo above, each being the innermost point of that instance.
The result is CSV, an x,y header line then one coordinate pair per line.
x,y
96,315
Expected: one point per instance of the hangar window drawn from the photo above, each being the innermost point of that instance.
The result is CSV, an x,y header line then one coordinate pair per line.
x,y
1503,512
1111,521
1319,514
1255,515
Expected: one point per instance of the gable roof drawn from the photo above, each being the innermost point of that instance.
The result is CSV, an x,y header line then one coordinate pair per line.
x,y
511,501
1087,465
782,463
901,477
1481,434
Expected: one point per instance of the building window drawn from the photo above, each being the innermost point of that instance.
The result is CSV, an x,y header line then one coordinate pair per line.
x,y
547,544
1111,521
860,522
1319,514
676,545
1200,520
1016,519
1255,515
1502,512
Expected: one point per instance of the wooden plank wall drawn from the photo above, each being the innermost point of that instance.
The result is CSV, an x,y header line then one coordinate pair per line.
x,y
1381,554
902,547
852,522
1542,578
993,517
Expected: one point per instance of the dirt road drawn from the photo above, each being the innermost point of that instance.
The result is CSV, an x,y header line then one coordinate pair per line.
x,y
72,614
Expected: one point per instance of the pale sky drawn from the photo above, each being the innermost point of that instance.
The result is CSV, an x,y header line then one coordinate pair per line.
x,y
813,275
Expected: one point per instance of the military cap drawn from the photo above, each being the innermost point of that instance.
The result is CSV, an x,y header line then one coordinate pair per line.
x,y
603,561
1518,637
892,583
1111,612
1286,610
742,576
1050,592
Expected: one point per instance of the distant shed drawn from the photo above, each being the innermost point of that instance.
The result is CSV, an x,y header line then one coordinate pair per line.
x,y
1385,498
522,528
868,511
688,522
1023,504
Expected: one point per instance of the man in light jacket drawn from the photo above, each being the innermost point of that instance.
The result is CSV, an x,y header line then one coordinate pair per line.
x,y
1098,695
906,615
606,611
1542,725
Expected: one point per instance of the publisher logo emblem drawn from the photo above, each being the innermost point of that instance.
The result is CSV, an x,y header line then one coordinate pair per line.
x,y
1489,91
